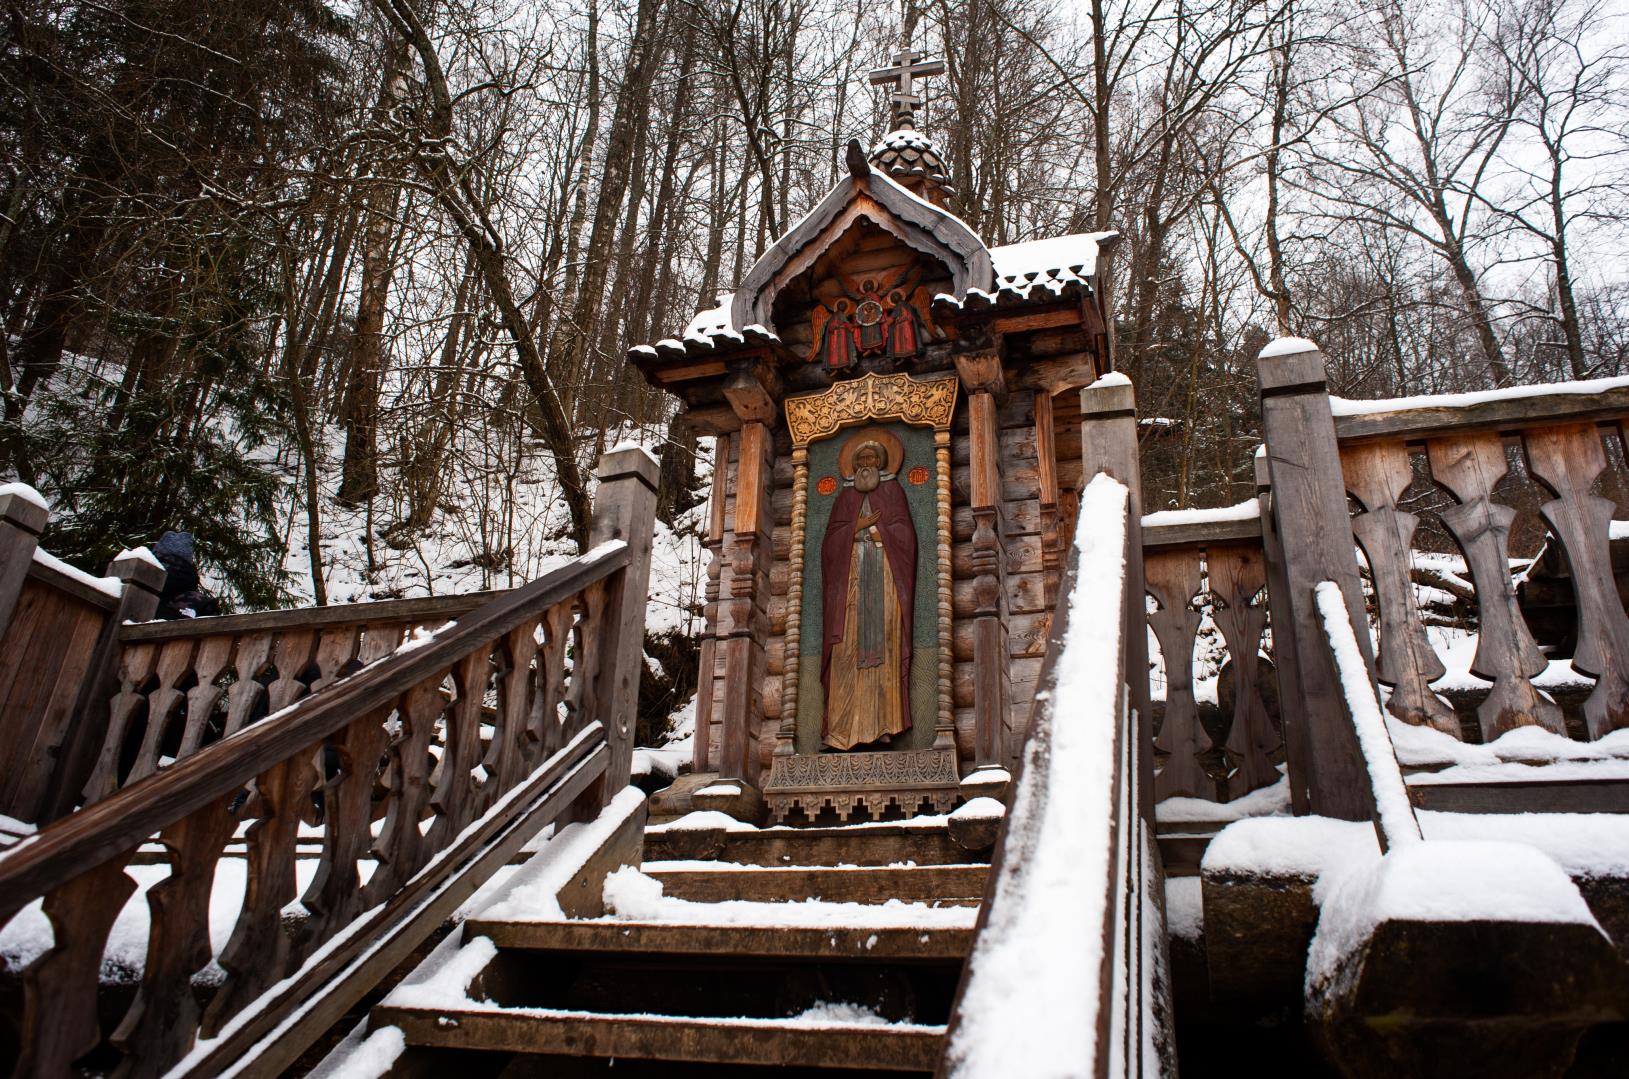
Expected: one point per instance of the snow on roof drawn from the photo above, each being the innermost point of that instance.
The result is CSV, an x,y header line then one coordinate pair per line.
x,y
1341,406
904,138
1052,253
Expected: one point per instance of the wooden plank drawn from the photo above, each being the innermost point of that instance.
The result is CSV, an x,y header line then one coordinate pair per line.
x,y
427,609
675,1038
835,942
54,578
1200,534
1538,796
1501,416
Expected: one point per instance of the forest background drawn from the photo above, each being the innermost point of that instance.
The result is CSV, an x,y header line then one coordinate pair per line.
x,y
345,289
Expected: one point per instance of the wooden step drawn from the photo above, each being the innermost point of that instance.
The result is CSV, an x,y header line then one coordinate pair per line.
x,y
1538,796
687,939
768,1042
861,845
712,882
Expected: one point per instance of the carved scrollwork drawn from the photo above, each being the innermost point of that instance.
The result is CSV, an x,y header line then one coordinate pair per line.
x,y
926,402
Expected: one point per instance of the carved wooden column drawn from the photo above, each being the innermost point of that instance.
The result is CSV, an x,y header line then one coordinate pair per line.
x,y
982,377
1315,534
708,660
744,629
1053,542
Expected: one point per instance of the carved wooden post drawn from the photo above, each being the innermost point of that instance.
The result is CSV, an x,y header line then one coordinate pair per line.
x,y
1053,542
143,580
1315,534
708,658
743,629
624,509
1284,644
1108,443
22,518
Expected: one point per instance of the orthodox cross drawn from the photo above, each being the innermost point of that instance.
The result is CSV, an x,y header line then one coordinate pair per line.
x,y
908,64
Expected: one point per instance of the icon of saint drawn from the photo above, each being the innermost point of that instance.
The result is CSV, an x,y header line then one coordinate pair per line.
x,y
868,574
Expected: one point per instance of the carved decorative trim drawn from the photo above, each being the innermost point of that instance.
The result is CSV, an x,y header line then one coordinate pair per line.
x,y
928,402
844,781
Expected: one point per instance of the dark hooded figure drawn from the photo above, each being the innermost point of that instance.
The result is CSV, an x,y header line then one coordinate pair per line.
x,y
183,595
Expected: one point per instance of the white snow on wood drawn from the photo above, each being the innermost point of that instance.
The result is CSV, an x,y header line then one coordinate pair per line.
x,y
1585,845
983,808
721,789
1341,406
368,1057
1052,253
1248,510
1112,378
1286,346
628,445
1459,881
534,890
24,492
1264,802
1420,746
1184,907
1031,1002
140,554
827,1013
1288,847
108,586
632,896
444,977
1393,811
703,820
668,759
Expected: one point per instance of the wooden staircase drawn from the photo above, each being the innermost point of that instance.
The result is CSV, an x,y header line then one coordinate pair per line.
x,y
751,976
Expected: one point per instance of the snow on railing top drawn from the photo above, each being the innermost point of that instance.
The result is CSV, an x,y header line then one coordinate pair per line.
x,y
1394,813
26,493
1248,510
107,586
1034,994
1342,406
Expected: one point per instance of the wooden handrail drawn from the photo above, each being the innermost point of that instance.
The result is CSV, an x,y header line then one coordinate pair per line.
x,y
424,609
101,831
1414,418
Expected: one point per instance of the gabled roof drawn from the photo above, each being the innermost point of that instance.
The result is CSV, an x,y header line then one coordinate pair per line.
x,y
878,199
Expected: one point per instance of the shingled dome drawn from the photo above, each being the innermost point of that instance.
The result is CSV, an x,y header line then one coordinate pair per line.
x,y
906,154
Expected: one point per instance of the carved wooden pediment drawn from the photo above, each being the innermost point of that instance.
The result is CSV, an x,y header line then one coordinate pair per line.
x,y
925,402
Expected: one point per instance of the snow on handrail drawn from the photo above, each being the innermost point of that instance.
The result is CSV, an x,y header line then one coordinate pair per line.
x,y
1394,817
1057,982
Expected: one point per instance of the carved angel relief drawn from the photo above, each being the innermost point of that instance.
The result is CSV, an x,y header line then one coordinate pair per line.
x,y
873,317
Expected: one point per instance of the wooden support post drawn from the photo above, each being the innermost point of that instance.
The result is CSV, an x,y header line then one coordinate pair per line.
x,y
1285,664
1315,535
143,580
624,509
744,629
708,659
990,658
22,518
1046,462
1108,443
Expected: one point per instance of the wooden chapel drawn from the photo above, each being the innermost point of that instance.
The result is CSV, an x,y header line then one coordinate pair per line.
x,y
882,329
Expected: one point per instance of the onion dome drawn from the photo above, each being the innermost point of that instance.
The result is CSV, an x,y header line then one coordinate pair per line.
x,y
909,157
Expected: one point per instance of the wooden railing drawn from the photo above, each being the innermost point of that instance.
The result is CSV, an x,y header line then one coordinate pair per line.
x,y
1220,557
424,772
58,650
1065,975
184,684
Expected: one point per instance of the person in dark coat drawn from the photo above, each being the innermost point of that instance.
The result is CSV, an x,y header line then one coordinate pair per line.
x,y
183,595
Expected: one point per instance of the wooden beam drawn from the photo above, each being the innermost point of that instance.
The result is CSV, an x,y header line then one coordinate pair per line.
x,y
1504,415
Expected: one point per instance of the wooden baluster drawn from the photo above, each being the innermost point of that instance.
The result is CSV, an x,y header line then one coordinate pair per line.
x,y
456,796
259,951
1378,474
1237,576
162,1023
293,657
514,742
1173,579
1469,466
585,673
60,1021
335,894
334,651
379,640
248,664
1566,459
213,654
400,844
174,661
557,628
135,668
